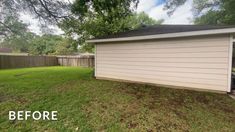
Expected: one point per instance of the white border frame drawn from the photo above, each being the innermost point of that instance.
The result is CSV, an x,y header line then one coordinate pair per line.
x,y
230,62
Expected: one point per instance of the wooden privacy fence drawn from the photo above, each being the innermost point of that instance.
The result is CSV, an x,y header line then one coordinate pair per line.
x,y
83,61
12,61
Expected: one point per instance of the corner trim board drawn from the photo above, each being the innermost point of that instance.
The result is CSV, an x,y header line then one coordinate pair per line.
x,y
95,59
230,57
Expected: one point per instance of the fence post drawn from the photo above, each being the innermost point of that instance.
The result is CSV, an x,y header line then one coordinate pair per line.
x,y
1,62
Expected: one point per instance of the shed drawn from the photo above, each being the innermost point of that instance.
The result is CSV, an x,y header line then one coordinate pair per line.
x,y
183,56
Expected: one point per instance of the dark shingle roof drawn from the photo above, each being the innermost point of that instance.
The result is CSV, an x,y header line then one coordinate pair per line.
x,y
163,29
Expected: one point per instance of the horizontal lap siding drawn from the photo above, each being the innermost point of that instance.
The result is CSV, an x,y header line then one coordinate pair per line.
x,y
198,62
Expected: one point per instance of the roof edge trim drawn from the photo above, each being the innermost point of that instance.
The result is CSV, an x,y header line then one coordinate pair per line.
x,y
167,35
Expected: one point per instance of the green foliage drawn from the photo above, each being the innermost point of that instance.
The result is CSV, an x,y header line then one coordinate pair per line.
x,y
109,10
12,26
18,38
65,47
86,48
137,20
44,45
19,43
228,11
96,18
15,35
51,45
220,12
50,11
96,27
211,17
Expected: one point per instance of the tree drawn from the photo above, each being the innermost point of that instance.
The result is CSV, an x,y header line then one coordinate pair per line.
x,y
207,11
12,26
217,12
172,5
136,20
84,18
54,11
15,35
47,11
100,23
106,16
210,18
19,43
44,45
66,47
97,28
52,45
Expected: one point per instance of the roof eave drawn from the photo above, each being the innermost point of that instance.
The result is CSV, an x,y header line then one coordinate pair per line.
x,y
168,35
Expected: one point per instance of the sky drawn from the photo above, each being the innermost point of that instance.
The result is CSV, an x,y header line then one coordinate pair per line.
x,y
154,8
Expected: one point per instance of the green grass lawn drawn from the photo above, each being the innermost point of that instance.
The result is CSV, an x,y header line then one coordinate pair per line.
x,y
86,104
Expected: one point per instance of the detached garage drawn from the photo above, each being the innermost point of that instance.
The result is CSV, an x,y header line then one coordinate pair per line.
x,y
185,56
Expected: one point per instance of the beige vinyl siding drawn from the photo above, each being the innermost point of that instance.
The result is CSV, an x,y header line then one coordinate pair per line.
x,y
197,62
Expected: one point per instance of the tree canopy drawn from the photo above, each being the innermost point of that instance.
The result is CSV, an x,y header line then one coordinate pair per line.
x,y
96,27
83,19
95,18
12,26
15,35
215,12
